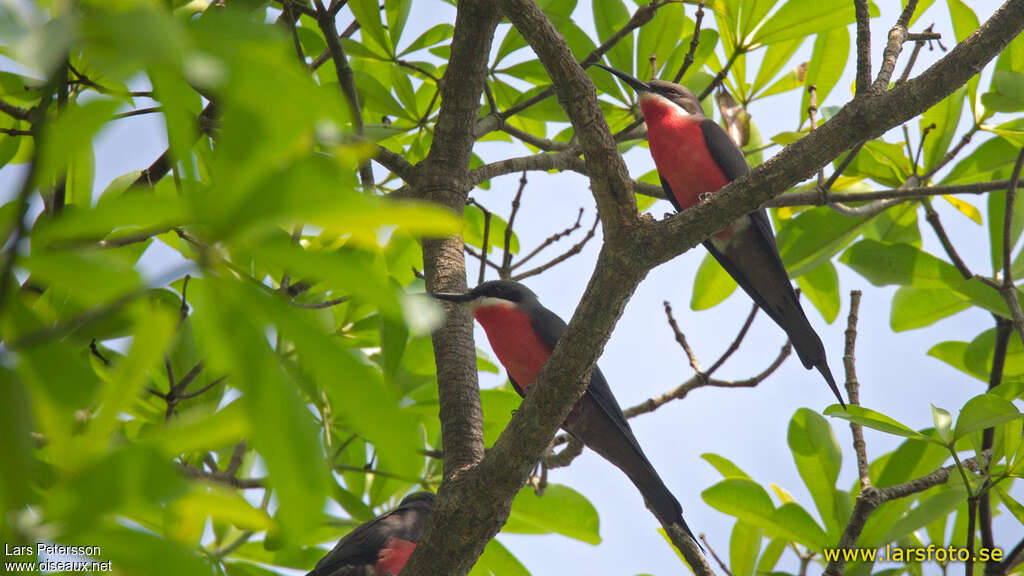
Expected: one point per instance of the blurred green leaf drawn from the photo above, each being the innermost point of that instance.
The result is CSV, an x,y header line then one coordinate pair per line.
x,y
744,546
65,137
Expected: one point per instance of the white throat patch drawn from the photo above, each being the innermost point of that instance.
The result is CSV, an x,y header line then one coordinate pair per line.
x,y
661,100
486,301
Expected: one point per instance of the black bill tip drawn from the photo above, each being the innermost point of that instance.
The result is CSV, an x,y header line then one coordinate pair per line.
x,y
452,297
633,83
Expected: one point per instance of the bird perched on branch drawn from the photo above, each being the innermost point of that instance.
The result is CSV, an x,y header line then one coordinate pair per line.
x,y
695,158
382,546
523,333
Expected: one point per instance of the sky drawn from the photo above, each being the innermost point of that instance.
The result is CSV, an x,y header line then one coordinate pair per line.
x,y
642,360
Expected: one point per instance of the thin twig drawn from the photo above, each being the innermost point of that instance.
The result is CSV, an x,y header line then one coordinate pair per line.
x,y
736,341
652,404
720,77
718,560
576,249
694,41
346,79
940,231
506,259
549,241
681,340
853,388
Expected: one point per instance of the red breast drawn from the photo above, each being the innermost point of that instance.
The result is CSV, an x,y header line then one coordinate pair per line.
x,y
679,151
514,340
392,558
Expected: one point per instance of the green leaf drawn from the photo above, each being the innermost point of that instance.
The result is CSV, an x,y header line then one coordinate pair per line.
x,y
943,422
945,116
817,457
996,223
747,501
1007,94
378,98
658,37
498,406
114,217
724,466
992,160
561,510
799,18
984,411
965,22
814,236
775,57
434,35
397,12
154,328
497,560
744,545
367,13
874,420
89,277
609,17
828,61
286,436
919,307
69,133
904,265
928,510
711,285
821,286
16,459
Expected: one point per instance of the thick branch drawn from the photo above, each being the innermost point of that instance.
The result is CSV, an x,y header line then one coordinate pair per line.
x,y
443,178
610,181
862,119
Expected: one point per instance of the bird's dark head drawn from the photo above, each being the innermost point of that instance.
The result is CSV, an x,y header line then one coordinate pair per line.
x,y
493,293
659,92
418,499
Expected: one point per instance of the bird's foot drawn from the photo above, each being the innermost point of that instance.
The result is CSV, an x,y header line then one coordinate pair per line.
x,y
704,197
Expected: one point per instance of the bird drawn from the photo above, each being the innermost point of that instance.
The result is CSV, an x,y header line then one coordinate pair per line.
x,y
695,158
382,546
522,333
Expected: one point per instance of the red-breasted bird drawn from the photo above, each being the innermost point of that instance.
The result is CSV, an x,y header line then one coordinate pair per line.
x,y
695,158
523,333
381,546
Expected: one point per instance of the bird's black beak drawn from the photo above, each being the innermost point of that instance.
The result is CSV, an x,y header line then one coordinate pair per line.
x,y
632,82
451,297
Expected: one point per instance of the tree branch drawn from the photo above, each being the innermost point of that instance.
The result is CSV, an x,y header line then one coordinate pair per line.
x,y
853,388
862,119
325,20
863,47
